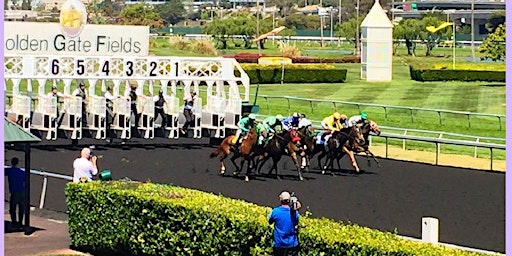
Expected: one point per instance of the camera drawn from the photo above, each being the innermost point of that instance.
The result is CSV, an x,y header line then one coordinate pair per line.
x,y
293,202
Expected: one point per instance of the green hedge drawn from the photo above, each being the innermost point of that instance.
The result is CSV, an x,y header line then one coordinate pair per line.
x,y
295,73
431,74
133,218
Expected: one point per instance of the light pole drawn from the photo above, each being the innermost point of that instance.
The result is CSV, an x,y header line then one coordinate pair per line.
x,y
258,25
473,30
330,12
339,12
393,11
358,50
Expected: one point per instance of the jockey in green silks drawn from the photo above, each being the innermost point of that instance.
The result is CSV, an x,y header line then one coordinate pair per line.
x,y
268,128
244,126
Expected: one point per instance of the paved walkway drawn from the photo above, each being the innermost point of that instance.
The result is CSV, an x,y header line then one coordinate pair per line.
x,y
49,238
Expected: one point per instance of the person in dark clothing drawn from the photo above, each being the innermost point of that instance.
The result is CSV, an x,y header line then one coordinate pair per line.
x,y
159,107
187,111
133,99
81,92
16,178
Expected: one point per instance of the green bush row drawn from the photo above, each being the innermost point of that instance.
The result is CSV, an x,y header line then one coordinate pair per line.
x,y
431,74
295,73
134,218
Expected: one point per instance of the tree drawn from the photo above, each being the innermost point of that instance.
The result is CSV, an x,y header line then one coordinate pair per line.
x,y
348,29
409,30
171,12
431,38
242,23
495,19
140,14
296,20
493,47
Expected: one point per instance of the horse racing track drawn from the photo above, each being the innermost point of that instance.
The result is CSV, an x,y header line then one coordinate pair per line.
x,y
469,204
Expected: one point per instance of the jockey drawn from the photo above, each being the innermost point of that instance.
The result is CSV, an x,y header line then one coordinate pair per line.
x,y
358,119
334,122
244,126
291,122
262,131
303,121
272,122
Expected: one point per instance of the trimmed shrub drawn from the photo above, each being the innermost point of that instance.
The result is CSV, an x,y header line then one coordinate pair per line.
x,y
253,58
431,74
348,59
134,218
295,73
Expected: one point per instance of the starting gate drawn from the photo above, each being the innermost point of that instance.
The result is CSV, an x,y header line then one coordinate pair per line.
x,y
221,109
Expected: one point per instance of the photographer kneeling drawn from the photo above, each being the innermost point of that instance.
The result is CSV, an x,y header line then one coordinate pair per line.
x,y
286,220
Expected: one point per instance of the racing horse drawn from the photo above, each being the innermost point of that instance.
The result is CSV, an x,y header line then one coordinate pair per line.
x,y
227,147
286,143
366,128
337,146
308,149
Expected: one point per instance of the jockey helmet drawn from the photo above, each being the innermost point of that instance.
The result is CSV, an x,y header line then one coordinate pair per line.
x,y
279,117
364,115
252,116
337,116
296,114
343,116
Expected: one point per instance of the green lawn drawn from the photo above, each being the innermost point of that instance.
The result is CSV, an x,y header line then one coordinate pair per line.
x,y
402,91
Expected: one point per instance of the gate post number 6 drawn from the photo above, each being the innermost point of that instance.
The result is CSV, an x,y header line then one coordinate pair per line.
x,y
53,67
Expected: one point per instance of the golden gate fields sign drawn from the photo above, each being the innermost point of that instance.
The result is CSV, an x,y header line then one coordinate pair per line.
x,y
48,38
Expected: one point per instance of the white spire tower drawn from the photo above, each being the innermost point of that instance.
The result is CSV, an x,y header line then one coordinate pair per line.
x,y
377,46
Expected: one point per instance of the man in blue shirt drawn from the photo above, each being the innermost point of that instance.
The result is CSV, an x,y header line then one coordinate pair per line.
x,y
285,220
16,178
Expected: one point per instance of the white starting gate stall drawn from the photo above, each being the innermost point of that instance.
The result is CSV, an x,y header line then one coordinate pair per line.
x,y
20,108
172,111
220,112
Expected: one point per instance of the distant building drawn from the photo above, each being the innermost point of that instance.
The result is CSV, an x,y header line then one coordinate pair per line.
x,y
51,4
458,10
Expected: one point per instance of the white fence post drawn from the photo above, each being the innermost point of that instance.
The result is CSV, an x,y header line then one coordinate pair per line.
x,y
430,230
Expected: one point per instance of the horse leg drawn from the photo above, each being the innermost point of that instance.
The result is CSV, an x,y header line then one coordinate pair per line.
x,y
352,158
242,163
233,158
248,172
275,160
222,166
369,153
319,159
262,159
296,162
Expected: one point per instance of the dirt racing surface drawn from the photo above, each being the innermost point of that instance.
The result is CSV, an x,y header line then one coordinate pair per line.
x,y
469,203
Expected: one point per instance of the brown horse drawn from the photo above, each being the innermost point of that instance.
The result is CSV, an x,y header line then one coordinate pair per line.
x,y
287,143
337,146
366,128
227,147
307,150
246,152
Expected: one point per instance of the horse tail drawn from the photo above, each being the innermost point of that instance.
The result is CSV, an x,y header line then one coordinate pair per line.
x,y
216,152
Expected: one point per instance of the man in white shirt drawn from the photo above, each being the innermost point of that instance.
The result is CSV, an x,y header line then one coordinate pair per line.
x,y
84,167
